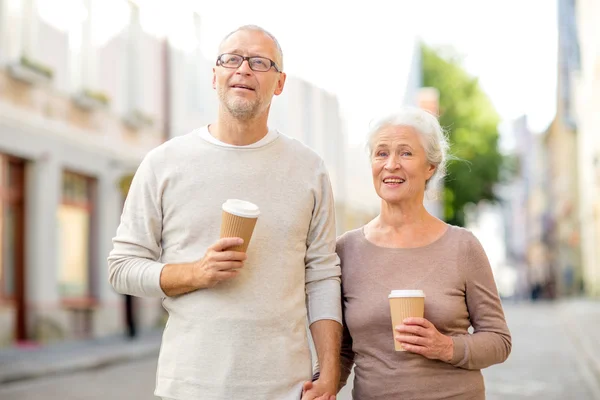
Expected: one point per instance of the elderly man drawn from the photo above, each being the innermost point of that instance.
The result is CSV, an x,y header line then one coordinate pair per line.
x,y
237,321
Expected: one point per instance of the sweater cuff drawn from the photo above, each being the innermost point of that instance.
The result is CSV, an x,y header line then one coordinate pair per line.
x,y
152,278
460,351
323,300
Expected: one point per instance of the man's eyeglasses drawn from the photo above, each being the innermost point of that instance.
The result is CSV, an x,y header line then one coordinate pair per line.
x,y
260,64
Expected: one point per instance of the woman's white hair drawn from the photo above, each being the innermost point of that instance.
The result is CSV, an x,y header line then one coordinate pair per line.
x,y
433,137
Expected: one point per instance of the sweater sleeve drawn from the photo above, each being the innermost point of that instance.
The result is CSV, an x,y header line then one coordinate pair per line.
x,y
133,262
346,352
322,274
346,356
490,342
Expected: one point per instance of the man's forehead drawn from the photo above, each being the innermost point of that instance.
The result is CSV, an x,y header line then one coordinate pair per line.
x,y
250,42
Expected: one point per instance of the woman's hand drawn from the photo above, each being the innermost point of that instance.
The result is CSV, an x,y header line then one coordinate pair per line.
x,y
427,340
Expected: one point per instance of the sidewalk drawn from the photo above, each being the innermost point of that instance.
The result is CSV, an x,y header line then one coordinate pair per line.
x,y
581,319
21,364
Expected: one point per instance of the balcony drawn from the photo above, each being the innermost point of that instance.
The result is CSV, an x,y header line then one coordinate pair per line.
x,y
84,117
90,100
30,72
137,120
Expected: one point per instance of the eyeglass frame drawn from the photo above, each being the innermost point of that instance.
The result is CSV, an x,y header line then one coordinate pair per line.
x,y
244,58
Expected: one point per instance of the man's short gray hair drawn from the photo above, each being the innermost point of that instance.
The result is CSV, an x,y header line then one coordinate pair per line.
x,y
257,28
433,137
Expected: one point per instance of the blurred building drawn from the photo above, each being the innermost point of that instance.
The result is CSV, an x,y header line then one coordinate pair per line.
x,y
586,105
564,224
76,114
487,220
525,212
313,116
539,270
84,95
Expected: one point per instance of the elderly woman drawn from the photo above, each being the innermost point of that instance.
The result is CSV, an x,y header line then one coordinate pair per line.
x,y
405,247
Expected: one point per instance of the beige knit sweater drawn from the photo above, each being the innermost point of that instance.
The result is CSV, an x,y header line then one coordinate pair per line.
x,y
245,338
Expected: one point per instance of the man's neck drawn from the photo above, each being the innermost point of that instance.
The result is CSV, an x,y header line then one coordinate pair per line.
x,y
239,132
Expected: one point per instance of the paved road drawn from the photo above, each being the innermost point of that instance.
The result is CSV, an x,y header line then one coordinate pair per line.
x,y
546,363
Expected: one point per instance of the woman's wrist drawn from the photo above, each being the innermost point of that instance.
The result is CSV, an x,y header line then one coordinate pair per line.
x,y
449,350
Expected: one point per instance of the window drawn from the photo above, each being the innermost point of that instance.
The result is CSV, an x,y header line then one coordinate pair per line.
x,y
75,220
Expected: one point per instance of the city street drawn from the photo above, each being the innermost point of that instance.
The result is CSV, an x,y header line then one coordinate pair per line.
x,y
547,362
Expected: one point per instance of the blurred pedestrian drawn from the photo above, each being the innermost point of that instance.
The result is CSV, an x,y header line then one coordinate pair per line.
x,y
130,317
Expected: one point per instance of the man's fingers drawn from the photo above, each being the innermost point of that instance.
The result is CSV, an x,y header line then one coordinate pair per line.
x,y
229,265
224,275
229,256
225,243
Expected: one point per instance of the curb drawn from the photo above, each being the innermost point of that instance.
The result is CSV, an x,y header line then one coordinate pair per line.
x,y
96,358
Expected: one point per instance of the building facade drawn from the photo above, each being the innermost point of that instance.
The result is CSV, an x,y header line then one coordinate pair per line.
x,y
525,211
74,120
586,102
313,116
563,225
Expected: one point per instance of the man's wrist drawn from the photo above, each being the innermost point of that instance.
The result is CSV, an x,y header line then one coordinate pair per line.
x,y
190,279
185,274
330,380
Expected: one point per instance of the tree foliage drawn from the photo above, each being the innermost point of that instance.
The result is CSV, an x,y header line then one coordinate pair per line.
x,y
472,126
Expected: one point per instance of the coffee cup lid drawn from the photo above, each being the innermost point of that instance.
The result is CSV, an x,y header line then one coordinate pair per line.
x,y
241,208
406,293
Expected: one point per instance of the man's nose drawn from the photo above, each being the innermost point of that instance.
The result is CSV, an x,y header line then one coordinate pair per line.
x,y
244,68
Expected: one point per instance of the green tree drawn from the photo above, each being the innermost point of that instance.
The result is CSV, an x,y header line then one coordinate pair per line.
x,y
472,126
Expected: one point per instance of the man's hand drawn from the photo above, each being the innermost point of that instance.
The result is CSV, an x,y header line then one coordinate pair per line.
x,y
318,391
218,264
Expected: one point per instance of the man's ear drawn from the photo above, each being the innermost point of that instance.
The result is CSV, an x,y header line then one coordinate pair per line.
x,y
280,83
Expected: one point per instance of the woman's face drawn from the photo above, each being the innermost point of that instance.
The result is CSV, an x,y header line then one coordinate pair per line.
x,y
399,164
